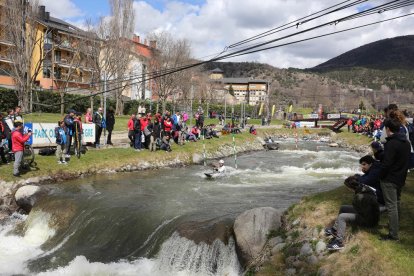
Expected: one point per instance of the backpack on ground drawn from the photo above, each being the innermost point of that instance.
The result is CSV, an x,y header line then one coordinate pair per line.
x,y
47,151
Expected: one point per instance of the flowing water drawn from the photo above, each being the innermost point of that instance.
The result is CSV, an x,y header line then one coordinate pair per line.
x,y
164,222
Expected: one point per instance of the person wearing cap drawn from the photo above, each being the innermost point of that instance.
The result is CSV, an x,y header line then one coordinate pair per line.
x,y
70,130
18,146
221,168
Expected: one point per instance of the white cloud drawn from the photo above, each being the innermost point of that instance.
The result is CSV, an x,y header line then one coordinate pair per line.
x,y
215,24
61,8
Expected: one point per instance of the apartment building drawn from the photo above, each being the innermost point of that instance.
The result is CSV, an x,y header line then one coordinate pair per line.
x,y
250,91
138,68
63,56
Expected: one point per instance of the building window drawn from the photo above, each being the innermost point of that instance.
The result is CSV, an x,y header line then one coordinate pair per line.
x,y
58,56
47,71
48,37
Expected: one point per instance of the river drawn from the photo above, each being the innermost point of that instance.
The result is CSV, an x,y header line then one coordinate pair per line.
x,y
164,222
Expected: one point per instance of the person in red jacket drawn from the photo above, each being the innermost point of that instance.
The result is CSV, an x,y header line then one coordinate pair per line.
x,y
167,125
18,140
131,134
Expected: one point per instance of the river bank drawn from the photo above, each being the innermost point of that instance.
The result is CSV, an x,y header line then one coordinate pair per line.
x,y
301,246
114,160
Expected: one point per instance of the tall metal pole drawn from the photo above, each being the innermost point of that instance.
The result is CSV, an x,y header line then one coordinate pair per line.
x,y
191,104
104,115
225,107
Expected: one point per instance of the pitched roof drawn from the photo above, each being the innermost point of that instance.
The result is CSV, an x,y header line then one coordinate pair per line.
x,y
241,80
60,25
217,70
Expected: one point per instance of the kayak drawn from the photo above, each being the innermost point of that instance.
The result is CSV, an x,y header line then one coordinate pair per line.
x,y
271,146
213,175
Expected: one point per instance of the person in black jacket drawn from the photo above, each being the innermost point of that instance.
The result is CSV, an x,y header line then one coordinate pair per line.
x,y
98,121
377,150
371,177
364,211
394,167
70,130
3,135
110,123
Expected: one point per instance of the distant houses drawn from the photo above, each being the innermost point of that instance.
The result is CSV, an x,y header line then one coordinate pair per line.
x,y
244,90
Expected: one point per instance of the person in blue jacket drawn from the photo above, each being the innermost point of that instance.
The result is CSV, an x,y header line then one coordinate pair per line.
x,y
371,177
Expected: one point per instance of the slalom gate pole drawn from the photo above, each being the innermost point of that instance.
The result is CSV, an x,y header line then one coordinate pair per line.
x,y
204,152
234,150
296,137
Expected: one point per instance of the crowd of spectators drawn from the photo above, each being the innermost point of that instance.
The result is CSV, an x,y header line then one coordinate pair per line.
x,y
158,131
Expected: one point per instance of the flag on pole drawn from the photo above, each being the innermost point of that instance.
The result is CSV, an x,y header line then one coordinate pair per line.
x,y
290,108
261,109
273,110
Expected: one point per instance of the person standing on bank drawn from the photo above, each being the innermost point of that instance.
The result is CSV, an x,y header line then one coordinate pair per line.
x,y
99,125
110,123
70,130
18,145
394,167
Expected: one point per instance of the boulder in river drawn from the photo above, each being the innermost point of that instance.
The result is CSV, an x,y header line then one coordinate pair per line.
x,y
26,196
251,229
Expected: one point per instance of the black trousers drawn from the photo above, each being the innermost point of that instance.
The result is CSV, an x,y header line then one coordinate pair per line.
x,y
131,136
98,134
108,140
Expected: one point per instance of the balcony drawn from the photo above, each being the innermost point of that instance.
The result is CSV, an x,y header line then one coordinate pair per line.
x,y
73,79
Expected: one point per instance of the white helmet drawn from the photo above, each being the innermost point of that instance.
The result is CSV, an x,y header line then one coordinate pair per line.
x,y
221,162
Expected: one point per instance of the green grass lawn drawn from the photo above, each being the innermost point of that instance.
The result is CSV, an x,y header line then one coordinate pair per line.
x,y
117,157
354,138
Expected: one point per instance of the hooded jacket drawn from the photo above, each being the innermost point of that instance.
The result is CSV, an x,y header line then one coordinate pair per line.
x,y
366,206
394,164
372,179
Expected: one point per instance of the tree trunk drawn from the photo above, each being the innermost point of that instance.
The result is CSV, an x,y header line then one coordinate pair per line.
x,y
119,105
91,98
62,105
164,105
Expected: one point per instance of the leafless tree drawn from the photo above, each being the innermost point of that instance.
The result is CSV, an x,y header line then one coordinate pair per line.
x,y
115,52
81,56
172,53
22,32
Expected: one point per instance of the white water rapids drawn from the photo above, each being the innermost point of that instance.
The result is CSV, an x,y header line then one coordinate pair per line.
x,y
114,232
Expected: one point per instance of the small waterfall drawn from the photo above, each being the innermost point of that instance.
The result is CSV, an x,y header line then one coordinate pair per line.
x,y
179,255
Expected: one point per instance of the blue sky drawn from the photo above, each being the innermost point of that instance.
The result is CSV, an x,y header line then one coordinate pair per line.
x,y
96,8
210,25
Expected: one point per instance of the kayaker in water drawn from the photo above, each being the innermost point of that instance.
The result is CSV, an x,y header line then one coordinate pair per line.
x,y
221,168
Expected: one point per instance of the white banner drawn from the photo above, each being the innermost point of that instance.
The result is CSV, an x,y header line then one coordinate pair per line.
x,y
314,116
334,116
305,124
45,133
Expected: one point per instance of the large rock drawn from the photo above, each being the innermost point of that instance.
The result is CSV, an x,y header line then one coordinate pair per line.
x,y
27,196
251,229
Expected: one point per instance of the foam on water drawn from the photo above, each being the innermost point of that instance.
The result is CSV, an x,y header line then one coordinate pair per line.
x,y
178,257
16,250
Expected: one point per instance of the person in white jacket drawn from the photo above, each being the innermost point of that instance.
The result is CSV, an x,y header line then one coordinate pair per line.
x,y
221,168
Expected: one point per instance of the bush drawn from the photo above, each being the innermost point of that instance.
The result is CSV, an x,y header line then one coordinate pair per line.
x,y
8,99
50,101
